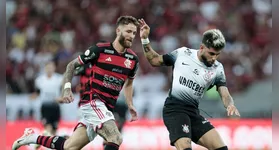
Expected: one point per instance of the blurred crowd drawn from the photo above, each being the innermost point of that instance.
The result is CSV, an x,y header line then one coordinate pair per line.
x,y
41,30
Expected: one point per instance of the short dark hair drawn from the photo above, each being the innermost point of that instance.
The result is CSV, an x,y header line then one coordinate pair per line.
x,y
214,39
125,20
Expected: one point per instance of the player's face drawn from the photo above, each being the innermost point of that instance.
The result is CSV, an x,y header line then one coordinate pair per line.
x,y
127,35
209,55
50,68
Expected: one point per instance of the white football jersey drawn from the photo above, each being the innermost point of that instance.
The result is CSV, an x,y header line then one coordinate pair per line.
x,y
191,77
50,88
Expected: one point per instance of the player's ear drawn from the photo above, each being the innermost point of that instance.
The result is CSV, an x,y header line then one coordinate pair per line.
x,y
118,31
201,47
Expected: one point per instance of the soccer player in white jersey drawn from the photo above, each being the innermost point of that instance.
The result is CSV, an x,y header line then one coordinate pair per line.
x,y
48,86
194,71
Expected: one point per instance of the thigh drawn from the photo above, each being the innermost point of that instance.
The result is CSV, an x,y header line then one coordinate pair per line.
x,y
109,131
77,140
178,125
200,126
211,140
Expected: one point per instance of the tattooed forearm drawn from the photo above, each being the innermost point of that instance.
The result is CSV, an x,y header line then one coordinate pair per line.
x,y
152,56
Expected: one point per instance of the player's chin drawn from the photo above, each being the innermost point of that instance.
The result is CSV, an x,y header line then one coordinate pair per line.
x,y
128,44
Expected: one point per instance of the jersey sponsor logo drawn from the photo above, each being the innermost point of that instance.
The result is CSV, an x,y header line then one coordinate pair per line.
x,y
113,82
185,128
117,70
129,56
192,85
128,63
208,75
109,51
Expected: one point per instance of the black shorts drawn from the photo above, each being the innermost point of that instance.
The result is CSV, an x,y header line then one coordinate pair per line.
x,y
50,112
184,120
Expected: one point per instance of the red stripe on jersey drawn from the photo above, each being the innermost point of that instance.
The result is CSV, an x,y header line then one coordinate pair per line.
x,y
103,44
103,72
116,60
131,51
80,60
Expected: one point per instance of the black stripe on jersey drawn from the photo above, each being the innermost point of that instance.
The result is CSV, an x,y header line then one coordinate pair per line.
x,y
105,90
113,68
108,100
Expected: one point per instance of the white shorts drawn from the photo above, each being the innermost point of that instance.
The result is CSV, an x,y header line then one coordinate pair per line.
x,y
92,116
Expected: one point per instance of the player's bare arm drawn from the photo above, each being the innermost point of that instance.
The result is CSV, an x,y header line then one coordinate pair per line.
x,y
228,101
67,79
68,75
152,56
128,91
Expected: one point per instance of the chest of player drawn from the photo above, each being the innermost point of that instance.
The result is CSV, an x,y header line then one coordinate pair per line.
x,y
189,70
116,64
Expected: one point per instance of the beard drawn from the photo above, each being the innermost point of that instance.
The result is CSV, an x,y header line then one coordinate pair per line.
x,y
207,63
123,42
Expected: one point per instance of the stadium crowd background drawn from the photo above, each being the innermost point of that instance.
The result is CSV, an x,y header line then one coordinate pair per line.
x,y
43,30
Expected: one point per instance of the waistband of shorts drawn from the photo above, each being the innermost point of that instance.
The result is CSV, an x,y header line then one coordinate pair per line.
x,y
175,101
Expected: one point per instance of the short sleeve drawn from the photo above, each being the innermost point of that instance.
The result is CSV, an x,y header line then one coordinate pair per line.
x,y
170,58
89,55
133,72
221,77
37,82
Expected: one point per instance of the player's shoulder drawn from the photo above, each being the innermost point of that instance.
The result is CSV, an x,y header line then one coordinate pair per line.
x,y
131,54
103,44
186,51
218,65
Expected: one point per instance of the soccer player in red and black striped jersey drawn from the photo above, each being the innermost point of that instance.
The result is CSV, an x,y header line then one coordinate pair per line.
x,y
114,66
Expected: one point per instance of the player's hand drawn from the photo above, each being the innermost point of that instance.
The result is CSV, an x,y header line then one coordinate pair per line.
x,y
144,29
59,100
231,110
68,96
133,113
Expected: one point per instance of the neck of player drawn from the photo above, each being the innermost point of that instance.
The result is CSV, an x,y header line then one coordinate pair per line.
x,y
199,56
118,47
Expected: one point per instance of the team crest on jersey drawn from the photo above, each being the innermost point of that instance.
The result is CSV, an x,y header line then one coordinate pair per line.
x,y
208,75
128,63
185,128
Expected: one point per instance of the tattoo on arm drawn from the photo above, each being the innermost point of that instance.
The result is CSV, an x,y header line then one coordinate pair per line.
x,y
150,54
68,75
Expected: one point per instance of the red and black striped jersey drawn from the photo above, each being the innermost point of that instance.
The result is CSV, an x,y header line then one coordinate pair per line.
x,y
85,72
110,70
